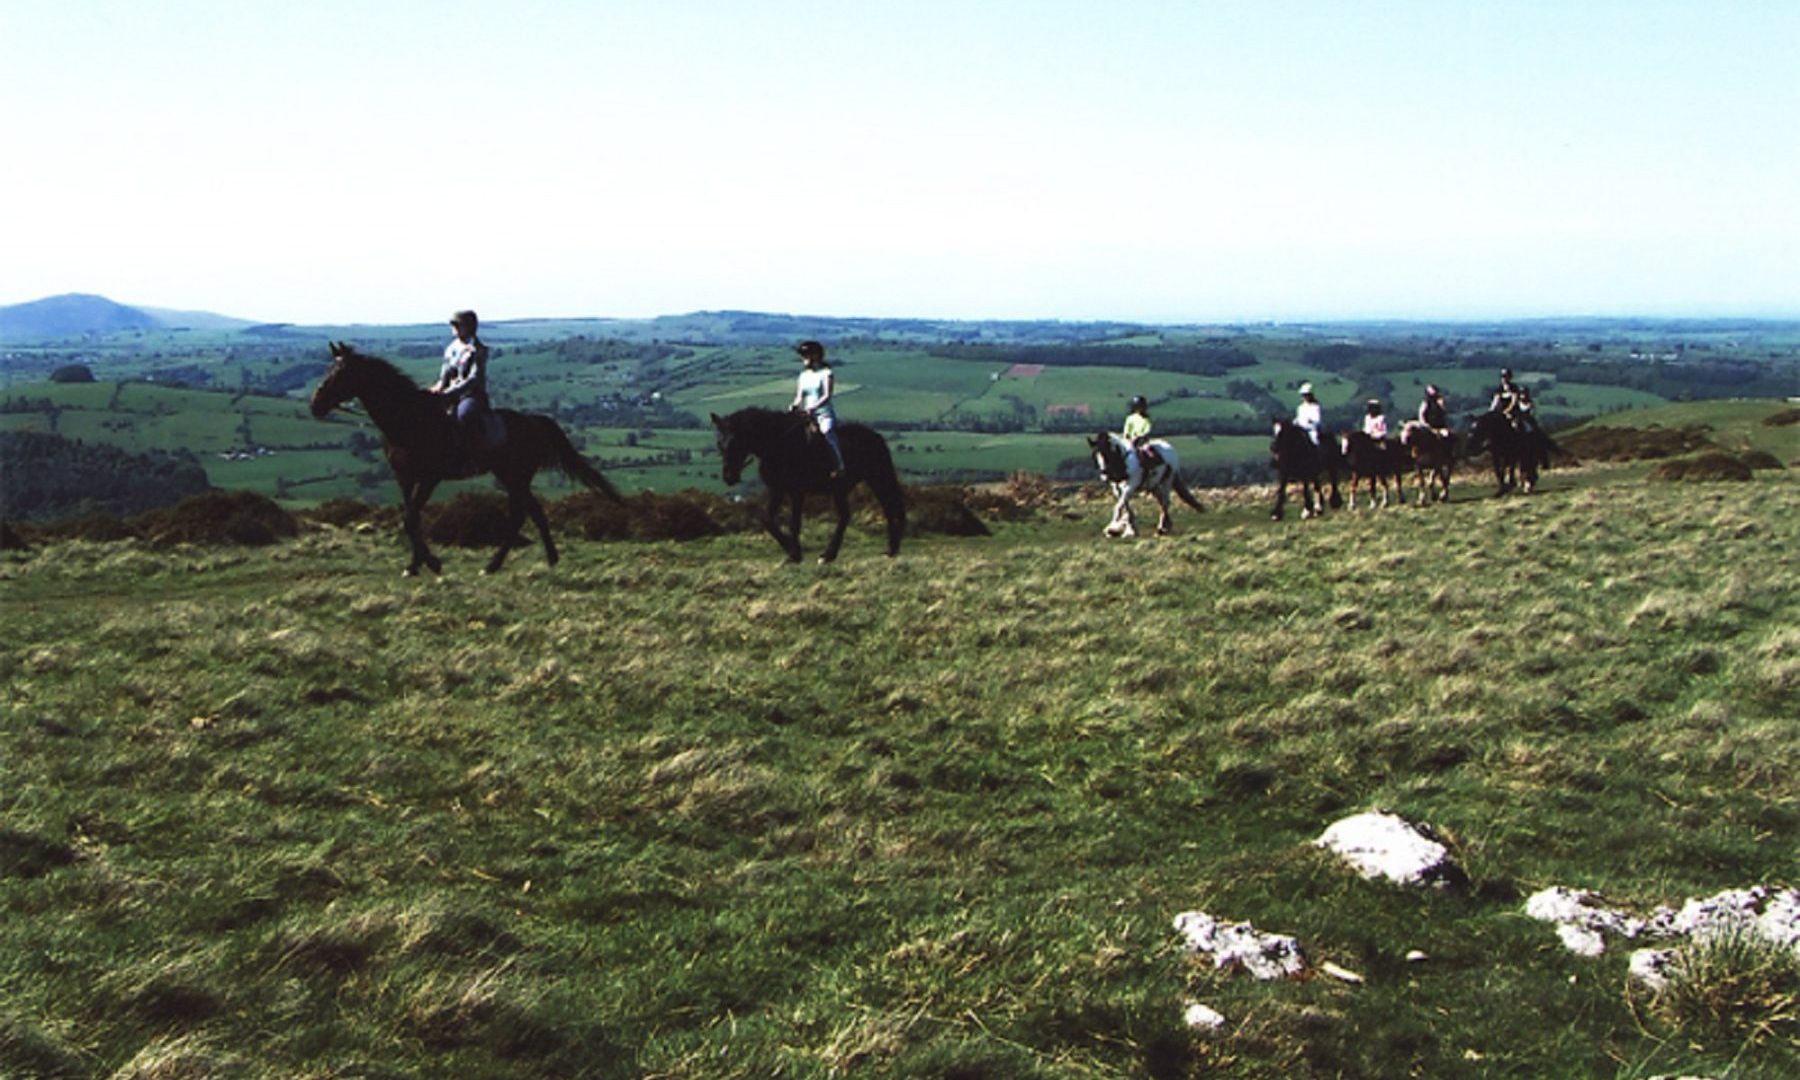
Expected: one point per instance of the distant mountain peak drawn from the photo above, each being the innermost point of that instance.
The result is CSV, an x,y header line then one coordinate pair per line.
x,y
71,315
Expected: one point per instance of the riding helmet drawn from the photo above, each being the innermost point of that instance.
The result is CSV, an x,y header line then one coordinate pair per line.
x,y
810,350
465,317
1140,402
1506,373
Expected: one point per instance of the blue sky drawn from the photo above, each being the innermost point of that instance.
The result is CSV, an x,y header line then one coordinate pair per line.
x,y
389,161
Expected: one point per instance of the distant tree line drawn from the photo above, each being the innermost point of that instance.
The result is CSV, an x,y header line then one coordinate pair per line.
x,y
616,350
50,478
1185,359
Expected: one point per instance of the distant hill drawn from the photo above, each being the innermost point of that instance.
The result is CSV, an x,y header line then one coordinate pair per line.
x,y
75,315
196,320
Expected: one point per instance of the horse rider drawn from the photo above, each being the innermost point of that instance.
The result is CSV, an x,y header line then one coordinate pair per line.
x,y
1375,424
1136,432
463,381
1309,415
1525,419
812,396
1506,399
1434,413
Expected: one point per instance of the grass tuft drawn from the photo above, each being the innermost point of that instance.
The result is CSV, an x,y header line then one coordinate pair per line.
x,y
1731,985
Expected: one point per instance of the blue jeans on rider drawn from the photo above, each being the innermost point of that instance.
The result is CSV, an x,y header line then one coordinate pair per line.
x,y
469,413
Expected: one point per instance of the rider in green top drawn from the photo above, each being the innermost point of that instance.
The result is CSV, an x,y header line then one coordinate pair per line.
x,y
1136,431
1137,425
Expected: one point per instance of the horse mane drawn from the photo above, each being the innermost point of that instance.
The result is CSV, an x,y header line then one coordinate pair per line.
x,y
385,370
759,416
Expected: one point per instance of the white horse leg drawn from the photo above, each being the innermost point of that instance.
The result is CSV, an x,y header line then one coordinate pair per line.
x,y
1121,524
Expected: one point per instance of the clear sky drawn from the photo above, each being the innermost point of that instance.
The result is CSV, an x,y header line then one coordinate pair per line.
x,y
324,161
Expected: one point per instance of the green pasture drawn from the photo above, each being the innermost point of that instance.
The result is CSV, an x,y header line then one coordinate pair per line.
x,y
1735,425
684,810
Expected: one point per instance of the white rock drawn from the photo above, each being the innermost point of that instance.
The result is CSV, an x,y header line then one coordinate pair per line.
x,y
1581,918
1651,967
1386,846
1581,909
1240,945
1581,940
1780,920
1199,1016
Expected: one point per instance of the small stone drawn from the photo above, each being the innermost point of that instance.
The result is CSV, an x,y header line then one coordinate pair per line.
x,y
1199,1016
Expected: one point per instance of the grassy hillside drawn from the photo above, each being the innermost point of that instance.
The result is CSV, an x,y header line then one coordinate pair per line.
x,y
682,810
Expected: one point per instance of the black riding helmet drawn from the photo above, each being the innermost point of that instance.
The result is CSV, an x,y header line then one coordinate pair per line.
x,y
1140,402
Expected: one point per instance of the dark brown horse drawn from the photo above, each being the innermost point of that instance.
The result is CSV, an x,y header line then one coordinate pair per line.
x,y
1382,463
421,449
793,462
1516,454
1433,458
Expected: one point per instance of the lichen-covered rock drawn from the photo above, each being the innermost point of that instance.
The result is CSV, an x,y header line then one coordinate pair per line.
x,y
1584,923
1240,946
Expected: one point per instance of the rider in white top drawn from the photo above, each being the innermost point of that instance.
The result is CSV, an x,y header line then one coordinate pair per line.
x,y
812,395
1308,415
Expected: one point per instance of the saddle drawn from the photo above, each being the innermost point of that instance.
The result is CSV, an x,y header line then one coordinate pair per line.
x,y
1148,457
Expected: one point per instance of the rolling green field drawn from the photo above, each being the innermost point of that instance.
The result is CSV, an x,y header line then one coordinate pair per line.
x,y
681,810
961,402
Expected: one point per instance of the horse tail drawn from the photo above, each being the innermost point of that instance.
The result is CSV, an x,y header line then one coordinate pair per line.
x,y
876,464
1187,496
561,454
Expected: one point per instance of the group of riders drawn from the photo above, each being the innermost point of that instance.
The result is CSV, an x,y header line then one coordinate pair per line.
x,y
1511,401
463,383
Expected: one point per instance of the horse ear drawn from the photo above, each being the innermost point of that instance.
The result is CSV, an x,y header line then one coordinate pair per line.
x,y
718,423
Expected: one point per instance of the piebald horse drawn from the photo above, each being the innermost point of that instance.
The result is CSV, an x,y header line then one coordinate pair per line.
x,y
1125,471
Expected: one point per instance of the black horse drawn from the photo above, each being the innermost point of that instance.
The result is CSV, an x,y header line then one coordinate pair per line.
x,y
1515,453
1296,460
1382,463
793,462
421,449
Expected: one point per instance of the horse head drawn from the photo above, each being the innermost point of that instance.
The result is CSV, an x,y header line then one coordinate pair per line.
x,y
733,451
1482,429
340,383
1109,457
